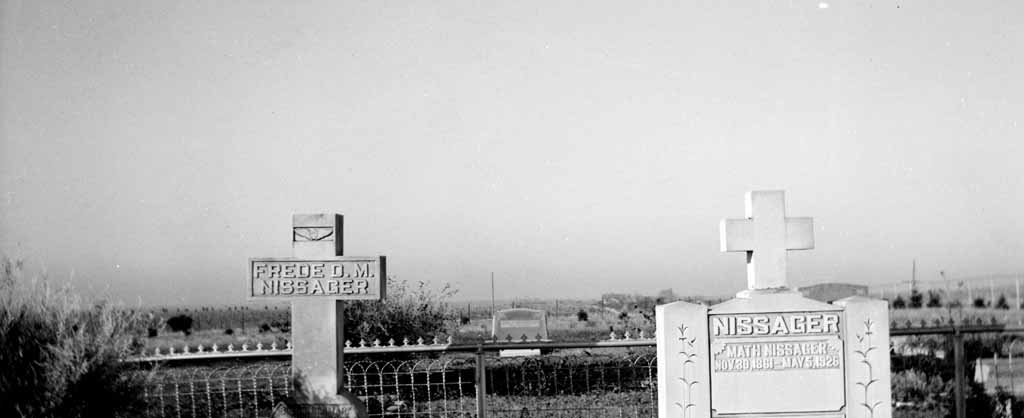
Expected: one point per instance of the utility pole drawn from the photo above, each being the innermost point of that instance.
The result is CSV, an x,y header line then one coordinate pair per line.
x,y
949,294
992,293
492,294
913,278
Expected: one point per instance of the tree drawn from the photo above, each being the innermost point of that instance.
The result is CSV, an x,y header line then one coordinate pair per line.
x,y
979,302
915,299
182,323
1001,303
934,299
581,316
899,303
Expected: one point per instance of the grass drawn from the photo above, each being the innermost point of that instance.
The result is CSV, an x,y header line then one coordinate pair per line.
x,y
61,357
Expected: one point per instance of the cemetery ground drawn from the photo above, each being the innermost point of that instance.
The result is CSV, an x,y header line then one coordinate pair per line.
x,y
565,382
922,376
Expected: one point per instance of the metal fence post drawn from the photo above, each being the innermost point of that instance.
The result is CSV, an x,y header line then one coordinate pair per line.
x,y
958,359
995,368
481,383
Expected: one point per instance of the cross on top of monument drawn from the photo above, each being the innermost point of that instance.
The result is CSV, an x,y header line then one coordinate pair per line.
x,y
765,235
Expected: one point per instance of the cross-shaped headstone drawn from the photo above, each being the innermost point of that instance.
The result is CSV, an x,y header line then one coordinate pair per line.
x,y
765,235
317,279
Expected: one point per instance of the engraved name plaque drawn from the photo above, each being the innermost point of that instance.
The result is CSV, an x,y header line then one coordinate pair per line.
x,y
793,354
341,278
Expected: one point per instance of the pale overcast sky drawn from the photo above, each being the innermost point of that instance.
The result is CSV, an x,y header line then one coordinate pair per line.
x,y
572,148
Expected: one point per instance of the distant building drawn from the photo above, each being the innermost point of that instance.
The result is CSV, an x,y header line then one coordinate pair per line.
x,y
829,292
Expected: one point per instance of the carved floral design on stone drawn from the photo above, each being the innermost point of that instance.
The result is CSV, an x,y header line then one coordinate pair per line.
x,y
688,355
312,233
864,355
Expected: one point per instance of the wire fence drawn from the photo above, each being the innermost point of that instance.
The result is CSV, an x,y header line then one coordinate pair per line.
x,y
939,369
593,384
199,391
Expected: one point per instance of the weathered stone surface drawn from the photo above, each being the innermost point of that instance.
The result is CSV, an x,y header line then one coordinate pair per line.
x,y
683,361
776,340
318,318
337,278
868,379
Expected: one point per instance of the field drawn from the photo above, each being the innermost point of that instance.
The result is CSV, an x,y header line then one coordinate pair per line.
x,y
270,323
266,324
219,325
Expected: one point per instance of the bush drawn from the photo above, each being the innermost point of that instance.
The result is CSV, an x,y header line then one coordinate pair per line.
x,y
926,392
582,316
282,325
264,327
182,323
152,332
1001,303
899,303
979,302
229,331
924,384
915,300
60,359
408,312
934,299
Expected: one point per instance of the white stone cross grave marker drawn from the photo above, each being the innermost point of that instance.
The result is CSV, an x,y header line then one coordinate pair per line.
x,y
317,279
765,235
770,352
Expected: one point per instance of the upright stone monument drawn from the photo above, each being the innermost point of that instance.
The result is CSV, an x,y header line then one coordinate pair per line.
x,y
770,352
519,324
317,279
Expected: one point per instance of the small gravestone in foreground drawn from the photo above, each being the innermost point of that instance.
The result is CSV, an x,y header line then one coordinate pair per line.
x,y
317,279
770,352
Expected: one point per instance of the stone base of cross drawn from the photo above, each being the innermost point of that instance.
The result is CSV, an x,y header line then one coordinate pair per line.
x,y
317,279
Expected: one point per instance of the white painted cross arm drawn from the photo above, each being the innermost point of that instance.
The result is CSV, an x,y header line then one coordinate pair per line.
x,y
765,235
